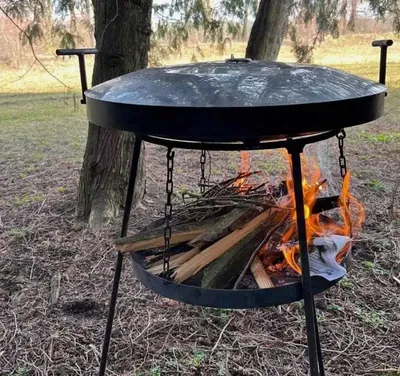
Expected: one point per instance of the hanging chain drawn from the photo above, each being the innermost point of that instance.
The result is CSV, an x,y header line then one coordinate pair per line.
x,y
342,159
168,209
203,171
343,165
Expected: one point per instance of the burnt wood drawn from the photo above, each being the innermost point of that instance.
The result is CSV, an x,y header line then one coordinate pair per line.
x,y
229,101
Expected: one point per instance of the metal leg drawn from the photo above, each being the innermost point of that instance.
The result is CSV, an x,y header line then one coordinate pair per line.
x,y
319,351
306,279
118,265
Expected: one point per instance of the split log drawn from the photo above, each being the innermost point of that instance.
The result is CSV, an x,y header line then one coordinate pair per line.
x,y
159,241
227,224
154,238
260,275
224,271
270,233
174,261
217,249
160,260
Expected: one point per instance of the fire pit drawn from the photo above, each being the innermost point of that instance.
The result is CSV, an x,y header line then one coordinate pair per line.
x,y
239,104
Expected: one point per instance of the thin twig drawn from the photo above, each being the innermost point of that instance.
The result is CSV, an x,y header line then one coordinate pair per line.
x,y
221,334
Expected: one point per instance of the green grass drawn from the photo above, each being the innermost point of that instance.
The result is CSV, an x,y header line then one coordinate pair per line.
x,y
39,127
373,318
198,357
17,233
346,283
377,185
368,265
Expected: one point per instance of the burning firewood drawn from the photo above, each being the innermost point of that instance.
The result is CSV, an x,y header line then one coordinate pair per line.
x,y
237,228
227,224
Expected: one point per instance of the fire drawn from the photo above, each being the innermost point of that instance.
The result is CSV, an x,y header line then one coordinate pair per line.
x,y
316,226
245,166
350,212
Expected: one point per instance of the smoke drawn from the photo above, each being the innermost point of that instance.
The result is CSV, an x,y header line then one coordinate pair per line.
x,y
326,153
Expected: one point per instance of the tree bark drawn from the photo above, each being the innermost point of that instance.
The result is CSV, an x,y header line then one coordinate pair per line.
x,y
269,29
122,32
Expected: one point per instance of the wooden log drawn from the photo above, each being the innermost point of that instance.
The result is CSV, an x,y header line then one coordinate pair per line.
x,y
159,241
260,275
227,224
153,237
161,261
217,249
224,271
174,262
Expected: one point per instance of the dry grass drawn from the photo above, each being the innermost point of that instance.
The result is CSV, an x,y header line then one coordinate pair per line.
x,y
42,245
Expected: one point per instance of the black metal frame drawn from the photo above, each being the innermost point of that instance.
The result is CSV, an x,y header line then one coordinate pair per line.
x,y
80,52
294,146
383,44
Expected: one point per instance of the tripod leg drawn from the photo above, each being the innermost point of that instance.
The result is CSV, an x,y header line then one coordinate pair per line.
x,y
118,266
306,278
319,352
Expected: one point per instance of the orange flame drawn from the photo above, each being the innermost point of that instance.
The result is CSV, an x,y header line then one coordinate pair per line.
x,y
314,225
244,168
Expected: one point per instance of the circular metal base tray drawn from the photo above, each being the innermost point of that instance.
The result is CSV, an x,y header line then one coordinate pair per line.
x,y
228,299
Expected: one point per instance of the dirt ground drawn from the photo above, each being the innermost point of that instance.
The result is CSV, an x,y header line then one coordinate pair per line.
x,y
41,243
43,246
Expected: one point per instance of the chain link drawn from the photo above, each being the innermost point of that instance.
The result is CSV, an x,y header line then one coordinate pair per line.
x,y
168,209
342,159
342,163
203,159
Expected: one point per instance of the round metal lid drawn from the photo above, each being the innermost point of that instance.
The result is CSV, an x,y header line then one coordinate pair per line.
x,y
235,101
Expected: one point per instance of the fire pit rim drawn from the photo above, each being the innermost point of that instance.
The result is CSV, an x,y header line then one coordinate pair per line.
x,y
256,121
226,298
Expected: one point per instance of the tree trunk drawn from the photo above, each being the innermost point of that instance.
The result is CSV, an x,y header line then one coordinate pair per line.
x,y
351,25
269,29
122,32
